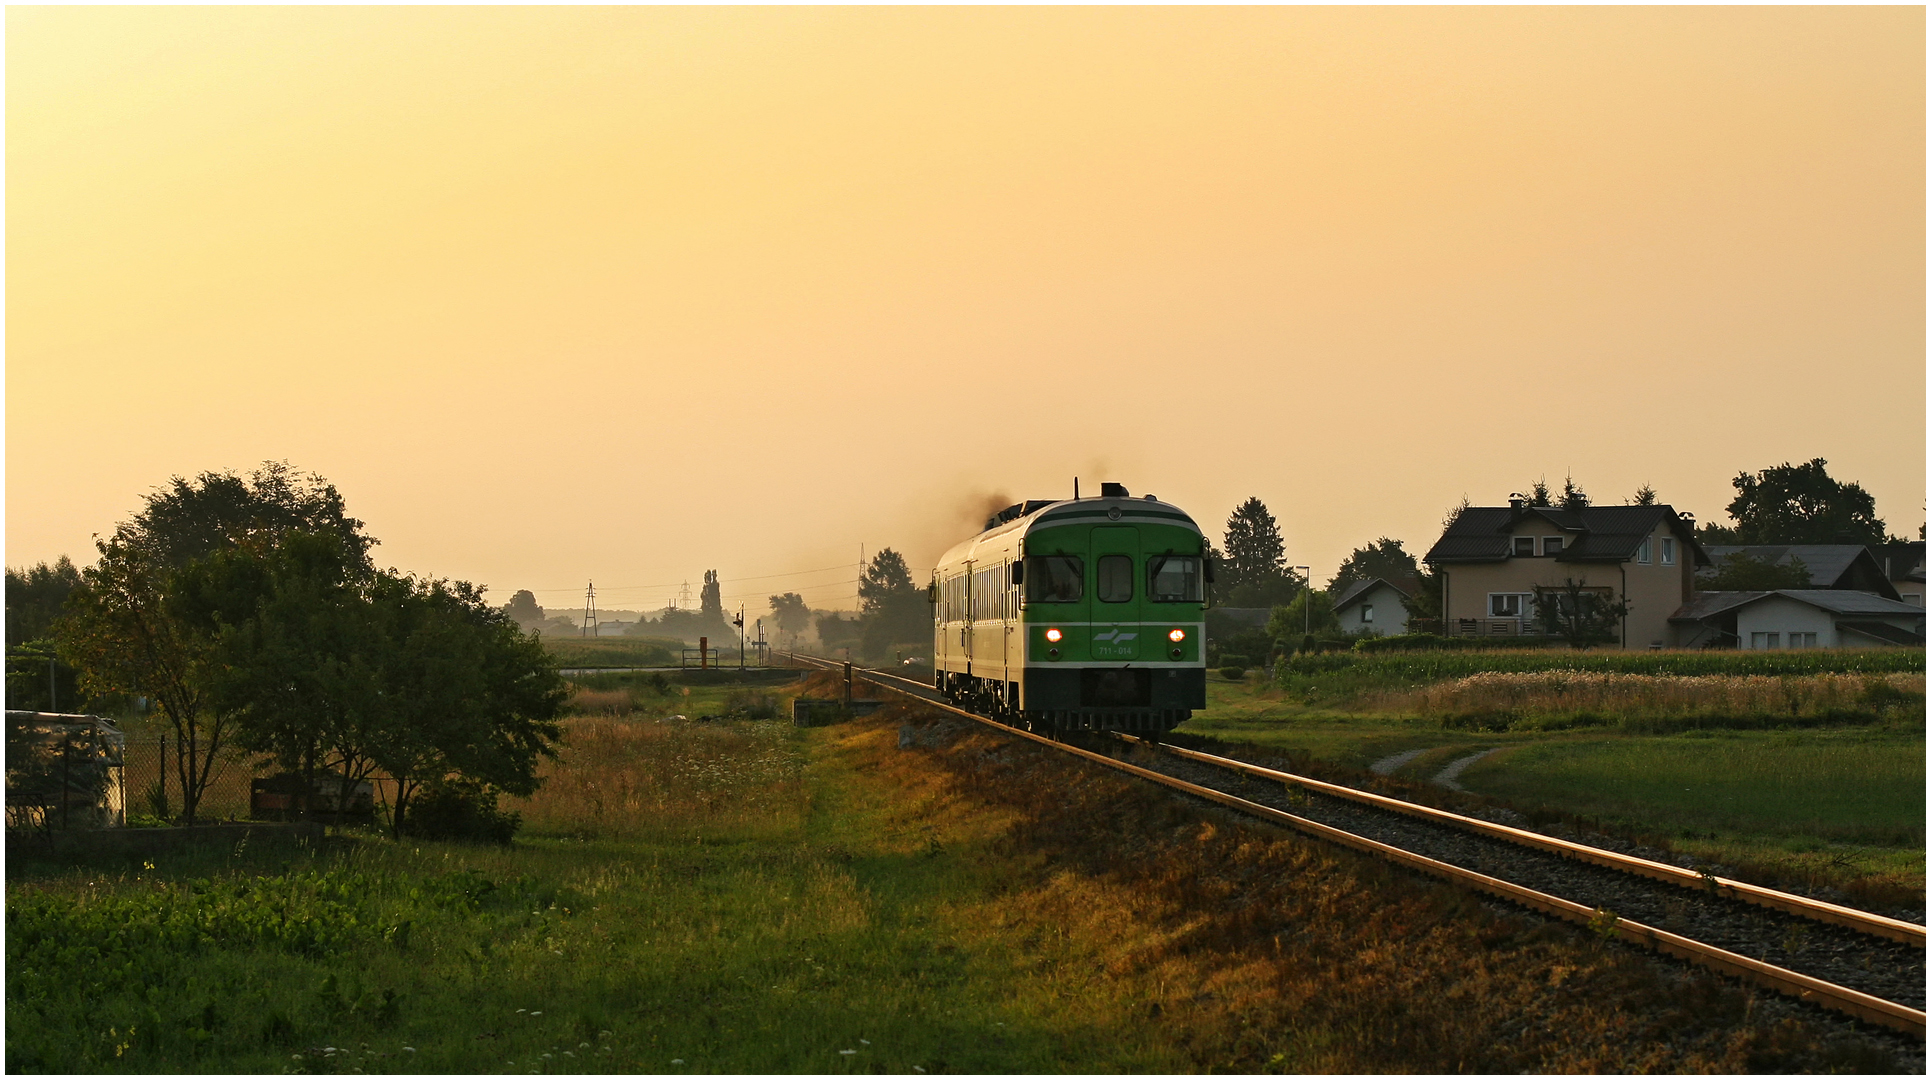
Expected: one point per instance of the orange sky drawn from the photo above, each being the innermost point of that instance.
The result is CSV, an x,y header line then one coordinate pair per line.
x,y
554,294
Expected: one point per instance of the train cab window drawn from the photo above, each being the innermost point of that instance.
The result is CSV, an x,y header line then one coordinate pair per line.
x,y
1173,579
1116,579
1055,579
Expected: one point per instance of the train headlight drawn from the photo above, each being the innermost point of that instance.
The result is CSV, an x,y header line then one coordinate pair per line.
x,y
1054,634
1176,635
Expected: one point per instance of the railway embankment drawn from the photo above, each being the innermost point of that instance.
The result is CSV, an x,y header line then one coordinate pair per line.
x,y
698,889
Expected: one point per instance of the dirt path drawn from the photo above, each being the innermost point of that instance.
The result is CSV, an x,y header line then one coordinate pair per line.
x,y
1446,777
1395,761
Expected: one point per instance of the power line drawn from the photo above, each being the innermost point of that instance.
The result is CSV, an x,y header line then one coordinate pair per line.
x,y
674,584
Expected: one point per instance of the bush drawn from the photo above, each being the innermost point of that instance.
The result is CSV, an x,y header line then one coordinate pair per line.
x,y
1234,660
1233,674
1437,643
460,809
750,705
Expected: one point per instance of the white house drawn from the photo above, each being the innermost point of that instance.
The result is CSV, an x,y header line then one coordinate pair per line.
x,y
1372,605
1797,619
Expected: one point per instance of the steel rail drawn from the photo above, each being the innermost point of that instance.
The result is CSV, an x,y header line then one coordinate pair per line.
x,y
1789,903
1842,999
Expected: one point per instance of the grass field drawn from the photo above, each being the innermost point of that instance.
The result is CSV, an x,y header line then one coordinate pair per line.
x,y
581,652
1339,676
897,894
1821,804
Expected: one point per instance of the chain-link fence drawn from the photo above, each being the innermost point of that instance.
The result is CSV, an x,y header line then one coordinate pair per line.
x,y
152,779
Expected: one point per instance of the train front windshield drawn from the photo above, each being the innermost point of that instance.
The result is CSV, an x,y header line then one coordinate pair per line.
x,y
1173,579
1055,579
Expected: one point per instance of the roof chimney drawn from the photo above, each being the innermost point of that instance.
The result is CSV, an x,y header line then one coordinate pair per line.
x,y
1515,502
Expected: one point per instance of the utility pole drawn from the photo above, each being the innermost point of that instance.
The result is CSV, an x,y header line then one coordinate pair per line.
x,y
590,610
1307,602
861,580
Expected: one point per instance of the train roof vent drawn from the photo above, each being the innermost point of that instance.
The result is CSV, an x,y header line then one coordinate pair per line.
x,y
1016,510
1113,491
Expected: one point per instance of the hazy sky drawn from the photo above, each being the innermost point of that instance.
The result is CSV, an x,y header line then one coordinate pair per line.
x,y
554,294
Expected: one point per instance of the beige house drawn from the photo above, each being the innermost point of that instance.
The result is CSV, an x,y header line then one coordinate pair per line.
x,y
1491,559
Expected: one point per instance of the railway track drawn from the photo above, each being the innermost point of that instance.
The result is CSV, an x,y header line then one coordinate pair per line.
x,y
1862,964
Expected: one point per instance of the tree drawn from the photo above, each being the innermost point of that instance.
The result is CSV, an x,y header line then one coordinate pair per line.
x,y
125,634
34,597
38,681
1573,498
885,582
474,696
1580,615
1382,559
1645,496
710,601
127,631
1310,612
1254,563
894,609
791,615
1740,572
189,519
1426,603
327,668
297,656
523,608
837,632
1539,493
1798,504
711,620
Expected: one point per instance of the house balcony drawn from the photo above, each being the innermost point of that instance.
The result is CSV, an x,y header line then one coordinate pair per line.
x,y
1509,627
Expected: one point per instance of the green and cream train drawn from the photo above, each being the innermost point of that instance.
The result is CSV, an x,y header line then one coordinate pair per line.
x,y
1076,614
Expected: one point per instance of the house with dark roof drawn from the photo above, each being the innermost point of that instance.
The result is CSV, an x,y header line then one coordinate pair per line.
x,y
1831,566
1903,563
1492,558
1374,606
1797,619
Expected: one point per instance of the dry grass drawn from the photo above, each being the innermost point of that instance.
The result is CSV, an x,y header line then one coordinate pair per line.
x,y
618,779
587,702
1647,699
1267,952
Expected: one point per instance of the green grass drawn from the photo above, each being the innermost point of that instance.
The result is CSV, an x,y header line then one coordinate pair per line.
x,y
697,936
580,652
1842,785
740,896
1831,805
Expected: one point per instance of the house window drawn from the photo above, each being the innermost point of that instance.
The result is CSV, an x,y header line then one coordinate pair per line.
x,y
1761,640
1367,613
1505,605
1914,599
1642,551
1669,551
1525,546
1805,640
1551,545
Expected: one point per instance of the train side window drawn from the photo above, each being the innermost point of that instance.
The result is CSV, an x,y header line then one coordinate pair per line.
x,y
1055,579
1173,579
1116,579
